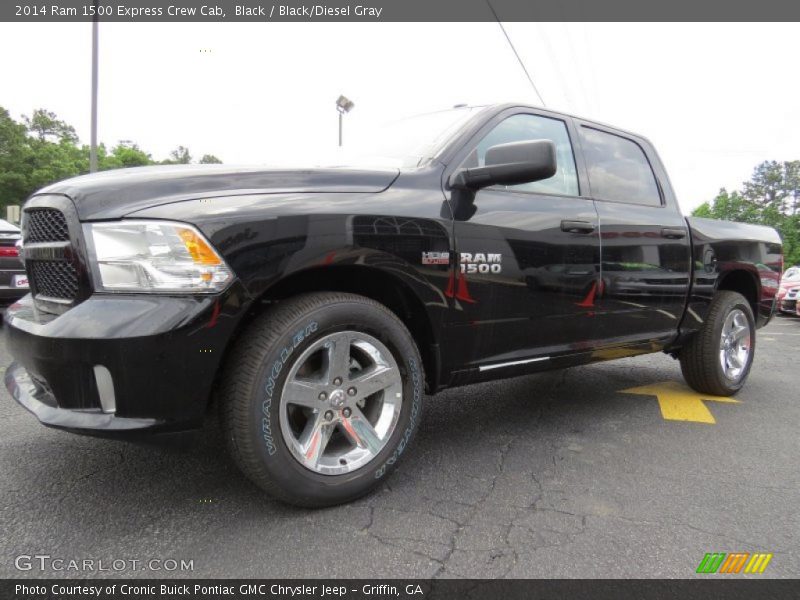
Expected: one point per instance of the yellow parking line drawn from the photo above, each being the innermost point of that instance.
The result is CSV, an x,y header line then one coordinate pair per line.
x,y
678,402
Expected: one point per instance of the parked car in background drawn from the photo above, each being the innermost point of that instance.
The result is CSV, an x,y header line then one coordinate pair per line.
x,y
786,298
789,301
13,280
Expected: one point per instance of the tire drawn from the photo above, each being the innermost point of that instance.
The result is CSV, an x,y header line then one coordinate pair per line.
x,y
275,420
702,358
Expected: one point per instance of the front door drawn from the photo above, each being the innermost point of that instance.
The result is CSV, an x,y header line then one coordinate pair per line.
x,y
528,256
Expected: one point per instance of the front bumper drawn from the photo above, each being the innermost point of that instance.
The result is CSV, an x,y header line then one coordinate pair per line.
x,y
789,305
8,294
8,291
118,363
38,400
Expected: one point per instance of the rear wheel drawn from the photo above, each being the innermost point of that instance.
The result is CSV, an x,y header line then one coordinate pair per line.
x,y
718,358
321,396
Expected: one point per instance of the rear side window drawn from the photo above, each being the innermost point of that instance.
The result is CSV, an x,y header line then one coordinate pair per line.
x,y
522,127
618,169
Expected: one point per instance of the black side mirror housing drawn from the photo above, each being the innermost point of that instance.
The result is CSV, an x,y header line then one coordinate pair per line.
x,y
510,164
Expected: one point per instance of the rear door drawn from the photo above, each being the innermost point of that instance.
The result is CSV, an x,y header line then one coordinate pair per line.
x,y
644,239
528,255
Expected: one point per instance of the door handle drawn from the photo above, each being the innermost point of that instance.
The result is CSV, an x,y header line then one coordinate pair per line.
x,y
673,233
577,227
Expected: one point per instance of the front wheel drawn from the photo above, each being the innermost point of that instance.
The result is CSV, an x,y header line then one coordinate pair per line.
x,y
718,358
321,396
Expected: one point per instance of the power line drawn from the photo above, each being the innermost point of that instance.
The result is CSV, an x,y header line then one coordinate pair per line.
x,y
510,43
552,58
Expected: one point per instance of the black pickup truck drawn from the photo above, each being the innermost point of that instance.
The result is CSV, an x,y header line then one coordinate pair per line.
x,y
314,308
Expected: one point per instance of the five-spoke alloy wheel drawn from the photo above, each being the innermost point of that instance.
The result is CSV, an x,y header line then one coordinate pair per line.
x,y
321,396
341,402
734,344
717,359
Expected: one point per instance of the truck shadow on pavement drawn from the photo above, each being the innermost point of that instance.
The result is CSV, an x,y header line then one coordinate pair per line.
x,y
455,423
487,445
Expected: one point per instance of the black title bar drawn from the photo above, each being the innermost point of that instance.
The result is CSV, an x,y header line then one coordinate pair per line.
x,y
708,588
138,11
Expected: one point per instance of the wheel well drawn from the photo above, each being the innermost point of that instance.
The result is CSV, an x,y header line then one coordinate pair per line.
x,y
377,285
743,282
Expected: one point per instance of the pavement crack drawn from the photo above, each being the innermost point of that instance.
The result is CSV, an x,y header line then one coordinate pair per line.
x,y
71,485
505,449
371,519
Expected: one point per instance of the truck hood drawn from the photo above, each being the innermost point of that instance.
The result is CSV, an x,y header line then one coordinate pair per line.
x,y
114,194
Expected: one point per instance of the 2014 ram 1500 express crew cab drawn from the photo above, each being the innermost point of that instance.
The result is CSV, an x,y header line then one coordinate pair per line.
x,y
315,307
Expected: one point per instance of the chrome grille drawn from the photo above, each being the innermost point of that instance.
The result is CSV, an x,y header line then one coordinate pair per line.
x,y
54,279
45,225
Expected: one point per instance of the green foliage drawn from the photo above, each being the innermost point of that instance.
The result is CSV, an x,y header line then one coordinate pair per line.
x,y
41,149
15,155
790,233
46,125
125,154
728,206
210,159
771,197
179,156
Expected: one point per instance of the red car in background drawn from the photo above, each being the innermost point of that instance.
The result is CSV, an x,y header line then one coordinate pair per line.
x,y
788,291
13,280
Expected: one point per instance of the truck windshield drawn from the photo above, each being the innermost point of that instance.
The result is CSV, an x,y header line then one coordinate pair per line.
x,y
405,142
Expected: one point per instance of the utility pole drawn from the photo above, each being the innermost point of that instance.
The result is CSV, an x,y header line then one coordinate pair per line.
x,y
93,141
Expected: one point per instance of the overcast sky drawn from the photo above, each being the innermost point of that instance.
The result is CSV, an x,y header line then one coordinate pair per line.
x,y
716,99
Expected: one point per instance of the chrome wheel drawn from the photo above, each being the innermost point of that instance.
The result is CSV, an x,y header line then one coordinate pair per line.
x,y
735,344
341,402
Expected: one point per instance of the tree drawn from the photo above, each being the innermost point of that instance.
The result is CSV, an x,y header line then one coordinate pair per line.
x,y
46,124
791,172
790,234
15,155
179,156
771,197
774,187
730,207
52,162
210,159
126,154
42,149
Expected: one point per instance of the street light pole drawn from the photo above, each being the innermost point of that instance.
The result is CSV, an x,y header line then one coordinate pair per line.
x,y
93,140
343,105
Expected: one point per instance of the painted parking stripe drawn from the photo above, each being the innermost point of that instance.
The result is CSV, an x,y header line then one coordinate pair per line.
x,y
678,402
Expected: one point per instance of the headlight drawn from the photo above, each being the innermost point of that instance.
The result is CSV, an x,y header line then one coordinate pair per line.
x,y
155,256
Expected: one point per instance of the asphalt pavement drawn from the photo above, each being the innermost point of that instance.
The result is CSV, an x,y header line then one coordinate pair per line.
x,y
551,475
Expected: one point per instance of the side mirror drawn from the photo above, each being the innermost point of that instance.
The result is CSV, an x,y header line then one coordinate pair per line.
x,y
510,164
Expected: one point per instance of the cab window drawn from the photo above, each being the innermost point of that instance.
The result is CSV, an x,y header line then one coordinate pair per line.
x,y
522,127
618,169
